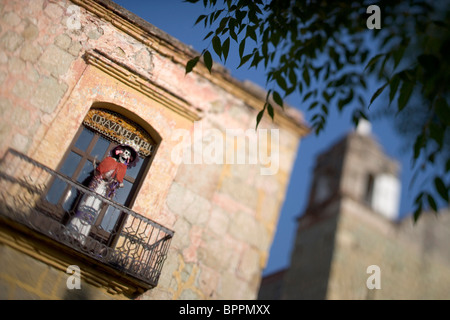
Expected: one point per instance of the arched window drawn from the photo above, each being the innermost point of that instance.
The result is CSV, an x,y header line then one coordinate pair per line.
x,y
102,131
368,194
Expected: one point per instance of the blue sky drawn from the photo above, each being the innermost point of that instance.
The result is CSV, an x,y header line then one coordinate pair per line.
x,y
177,19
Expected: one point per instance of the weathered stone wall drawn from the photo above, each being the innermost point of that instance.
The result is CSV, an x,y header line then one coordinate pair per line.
x,y
22,276
331,258
224,215
410,269
339,238
364,156
308,274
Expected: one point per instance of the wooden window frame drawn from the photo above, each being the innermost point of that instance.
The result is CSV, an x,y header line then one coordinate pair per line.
x,y
57,210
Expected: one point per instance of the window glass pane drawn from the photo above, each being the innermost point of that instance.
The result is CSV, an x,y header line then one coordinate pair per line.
x,y
84,139
86,173
69,199
110,219
70,164
100,148
122,193
133,172
56,191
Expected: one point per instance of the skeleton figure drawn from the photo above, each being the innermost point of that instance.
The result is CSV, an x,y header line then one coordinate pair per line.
x,y
108,177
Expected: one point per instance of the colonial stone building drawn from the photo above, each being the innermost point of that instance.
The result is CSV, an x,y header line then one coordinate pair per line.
x,y
194,219
350,242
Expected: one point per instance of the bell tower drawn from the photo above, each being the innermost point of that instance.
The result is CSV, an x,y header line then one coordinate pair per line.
x,y
356,167
354,182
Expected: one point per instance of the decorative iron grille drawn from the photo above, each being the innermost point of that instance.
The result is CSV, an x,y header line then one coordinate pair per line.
x,y
134,245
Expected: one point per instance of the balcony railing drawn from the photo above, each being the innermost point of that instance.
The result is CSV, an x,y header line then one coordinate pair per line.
x,y
133,244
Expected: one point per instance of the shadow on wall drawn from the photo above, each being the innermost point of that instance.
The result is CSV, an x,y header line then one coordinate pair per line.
x,y
77,294
309,272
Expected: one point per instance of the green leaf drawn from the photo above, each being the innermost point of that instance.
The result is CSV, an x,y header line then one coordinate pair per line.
x,y
393,86
208,35
200,18
259,117
418,144
373,60
441,188
244,59
256,59
428,61
208,60
241,48
270,110
405,93
440,23
306,76
398,55
217,46
233,35
277,98
377,93
225,48
324,109
251,33
327,96
313,105
419,197
222,25
432,202
417,212
281,82
437,133
382,69
191,64
442,110
345,101
292,77
300,87
307,96
240,15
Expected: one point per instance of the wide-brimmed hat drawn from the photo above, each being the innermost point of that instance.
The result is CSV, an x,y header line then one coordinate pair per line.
x,y
133,150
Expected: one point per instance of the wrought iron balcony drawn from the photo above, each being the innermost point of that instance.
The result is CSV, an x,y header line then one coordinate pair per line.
x,y
121,239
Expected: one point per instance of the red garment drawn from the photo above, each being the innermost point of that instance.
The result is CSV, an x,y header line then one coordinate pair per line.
x,y
109,164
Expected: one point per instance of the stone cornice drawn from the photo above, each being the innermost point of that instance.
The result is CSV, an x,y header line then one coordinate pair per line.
x,y
140,83
180,53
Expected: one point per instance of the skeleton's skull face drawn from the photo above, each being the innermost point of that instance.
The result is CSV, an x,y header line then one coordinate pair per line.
x,y
125,156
